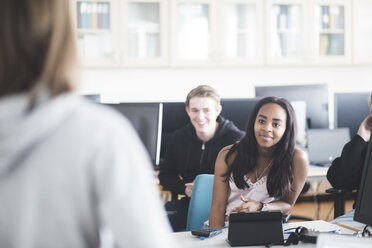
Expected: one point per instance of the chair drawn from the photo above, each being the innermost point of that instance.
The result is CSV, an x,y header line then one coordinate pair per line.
x,y
200,202
339,201
298,217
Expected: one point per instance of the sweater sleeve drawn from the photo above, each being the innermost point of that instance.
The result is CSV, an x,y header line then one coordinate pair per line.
x,y
346,170
127,198
169,171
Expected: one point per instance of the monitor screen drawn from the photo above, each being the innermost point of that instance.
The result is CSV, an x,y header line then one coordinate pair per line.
x,y
238,110
174,117
345,106
147,120
315,96
363,207
324,145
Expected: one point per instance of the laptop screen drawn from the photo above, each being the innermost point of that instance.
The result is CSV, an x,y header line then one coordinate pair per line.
x,y
324,145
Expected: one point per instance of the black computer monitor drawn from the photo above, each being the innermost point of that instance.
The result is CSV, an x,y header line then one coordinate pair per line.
x,y
350,110
174,117
238,110
147,120
363,209
315,96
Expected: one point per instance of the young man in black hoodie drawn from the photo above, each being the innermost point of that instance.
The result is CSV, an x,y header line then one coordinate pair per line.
x,y
193,149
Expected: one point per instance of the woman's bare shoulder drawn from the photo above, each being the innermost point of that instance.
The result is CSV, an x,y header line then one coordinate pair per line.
x,y
300,154
221,158
300,158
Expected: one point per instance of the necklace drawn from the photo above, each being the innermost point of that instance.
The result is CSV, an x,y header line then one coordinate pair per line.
x,y
267,166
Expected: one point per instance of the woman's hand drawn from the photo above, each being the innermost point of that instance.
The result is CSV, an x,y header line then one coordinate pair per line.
x,y
248,205
366,127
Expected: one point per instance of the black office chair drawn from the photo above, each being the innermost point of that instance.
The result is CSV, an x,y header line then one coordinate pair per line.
x,y
299,217
339,200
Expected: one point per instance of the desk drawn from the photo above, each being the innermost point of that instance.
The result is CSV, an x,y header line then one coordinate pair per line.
x,y
187,240
316,173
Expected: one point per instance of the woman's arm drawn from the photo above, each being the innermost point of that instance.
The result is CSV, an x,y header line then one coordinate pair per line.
x,y
365,127
220,191
300,171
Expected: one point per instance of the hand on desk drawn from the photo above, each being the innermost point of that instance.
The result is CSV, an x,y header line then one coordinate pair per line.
x,y
248,205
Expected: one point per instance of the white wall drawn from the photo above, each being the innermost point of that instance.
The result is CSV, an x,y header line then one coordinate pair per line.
x,y
173,84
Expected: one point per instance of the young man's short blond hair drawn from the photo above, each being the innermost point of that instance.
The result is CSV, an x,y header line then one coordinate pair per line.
x,y
203,91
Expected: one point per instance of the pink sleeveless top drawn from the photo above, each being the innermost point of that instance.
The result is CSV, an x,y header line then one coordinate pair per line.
x,y
256,191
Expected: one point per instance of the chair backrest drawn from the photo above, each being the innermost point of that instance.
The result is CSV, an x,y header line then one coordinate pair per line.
x,y
200,202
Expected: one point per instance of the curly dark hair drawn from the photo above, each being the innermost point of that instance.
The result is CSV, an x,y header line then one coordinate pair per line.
x,y
280,175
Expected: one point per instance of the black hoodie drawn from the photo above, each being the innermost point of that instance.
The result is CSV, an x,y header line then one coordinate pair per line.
x,y
346,170
186,155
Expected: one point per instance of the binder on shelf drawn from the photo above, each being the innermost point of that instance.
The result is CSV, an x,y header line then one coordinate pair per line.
x,y
82,15
88,15
106,16
336,44
324,17
94,16
323,44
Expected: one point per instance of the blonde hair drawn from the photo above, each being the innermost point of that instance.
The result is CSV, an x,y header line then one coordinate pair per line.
x,y
203,91
37,47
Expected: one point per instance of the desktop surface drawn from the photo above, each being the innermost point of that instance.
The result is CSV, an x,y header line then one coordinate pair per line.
x,y
187,240
317,173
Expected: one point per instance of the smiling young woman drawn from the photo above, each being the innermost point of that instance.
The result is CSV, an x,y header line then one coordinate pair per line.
x,y
264,171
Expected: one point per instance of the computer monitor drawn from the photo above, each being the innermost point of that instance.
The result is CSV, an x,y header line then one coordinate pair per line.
x,y
174,117
363,209
315,96
299,108
238,110
350,110
324,145
147,120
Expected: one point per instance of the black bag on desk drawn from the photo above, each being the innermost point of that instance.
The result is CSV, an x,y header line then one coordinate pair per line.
x,y
255,228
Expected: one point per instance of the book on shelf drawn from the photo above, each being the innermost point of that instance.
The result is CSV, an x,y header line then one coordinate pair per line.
x,y
323,44
324,16
93,15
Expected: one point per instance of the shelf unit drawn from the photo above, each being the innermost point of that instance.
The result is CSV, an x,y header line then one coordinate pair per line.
x,y
177,33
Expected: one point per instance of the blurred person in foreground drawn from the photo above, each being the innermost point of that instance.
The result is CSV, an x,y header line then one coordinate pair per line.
x,y
72,173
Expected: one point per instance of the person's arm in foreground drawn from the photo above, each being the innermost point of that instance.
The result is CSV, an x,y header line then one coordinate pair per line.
x,y
129,203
